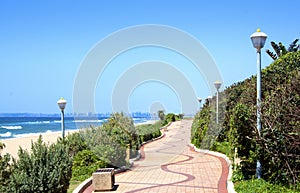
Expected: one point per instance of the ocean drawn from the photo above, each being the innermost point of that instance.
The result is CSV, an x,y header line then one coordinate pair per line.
x,y
16,127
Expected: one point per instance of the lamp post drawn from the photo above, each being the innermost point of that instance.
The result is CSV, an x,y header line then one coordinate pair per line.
x,y
199,100
258,39
62,104
217,85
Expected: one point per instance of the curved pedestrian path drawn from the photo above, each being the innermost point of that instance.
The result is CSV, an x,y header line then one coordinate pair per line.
x,y
171,165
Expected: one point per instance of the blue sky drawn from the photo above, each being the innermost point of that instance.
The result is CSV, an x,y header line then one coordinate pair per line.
x,y
43,43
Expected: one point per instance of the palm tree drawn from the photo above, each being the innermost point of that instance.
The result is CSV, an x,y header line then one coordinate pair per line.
x,y
280,49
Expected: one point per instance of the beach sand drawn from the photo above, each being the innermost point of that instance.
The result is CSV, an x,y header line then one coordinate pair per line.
x,y
13,145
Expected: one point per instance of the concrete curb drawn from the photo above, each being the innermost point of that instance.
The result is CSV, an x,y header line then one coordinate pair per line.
x,y
230,186
86,183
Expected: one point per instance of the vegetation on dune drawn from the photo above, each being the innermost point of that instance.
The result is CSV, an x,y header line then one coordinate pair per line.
x,y
169,118
262,186
45,168
278,145
148,132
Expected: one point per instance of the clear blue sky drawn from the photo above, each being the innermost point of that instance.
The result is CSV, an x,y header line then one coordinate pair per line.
x,y
42,45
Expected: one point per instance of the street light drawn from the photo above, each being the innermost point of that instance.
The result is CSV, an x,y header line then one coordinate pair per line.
x,y
217,85
62,104
258,39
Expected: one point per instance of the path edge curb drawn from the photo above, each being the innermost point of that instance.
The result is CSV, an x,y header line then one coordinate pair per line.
x,y
229,183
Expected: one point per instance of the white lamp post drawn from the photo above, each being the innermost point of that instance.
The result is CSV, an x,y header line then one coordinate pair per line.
x,y
62,104
258,39
217,85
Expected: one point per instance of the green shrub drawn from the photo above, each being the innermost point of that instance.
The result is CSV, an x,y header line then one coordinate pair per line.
x,y
5,172
170,117
85,163
277,146
222,147
243,137
261,186
46,168
148,131
74,143
200,125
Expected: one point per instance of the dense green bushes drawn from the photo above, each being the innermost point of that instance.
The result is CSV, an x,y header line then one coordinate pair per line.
x,y
103,146
46,168
171,117
5,172
148,131
278,145
107,145
200,125
85,163
261,186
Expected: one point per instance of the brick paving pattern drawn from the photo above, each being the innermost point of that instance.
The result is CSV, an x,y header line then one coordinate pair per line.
x,y
170,165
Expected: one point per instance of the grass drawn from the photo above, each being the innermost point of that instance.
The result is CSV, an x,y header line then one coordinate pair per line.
x,y
261,186
73,185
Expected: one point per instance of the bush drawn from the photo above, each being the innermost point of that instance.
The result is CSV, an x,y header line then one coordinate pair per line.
x,y
243,137
171,117
85,163
44,169
74,143
104,146
277,147
222,147
261,186
200,125
5,172
148,131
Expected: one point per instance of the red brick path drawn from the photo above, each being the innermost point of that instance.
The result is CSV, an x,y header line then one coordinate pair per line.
x,y
170,165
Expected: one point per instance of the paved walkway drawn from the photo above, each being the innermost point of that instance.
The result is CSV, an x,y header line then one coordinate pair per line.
x,y
170,165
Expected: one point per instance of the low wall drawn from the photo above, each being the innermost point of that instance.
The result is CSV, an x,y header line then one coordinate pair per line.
x,y
230,186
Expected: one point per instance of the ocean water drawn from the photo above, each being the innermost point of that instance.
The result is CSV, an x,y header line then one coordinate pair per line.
x,y
15,127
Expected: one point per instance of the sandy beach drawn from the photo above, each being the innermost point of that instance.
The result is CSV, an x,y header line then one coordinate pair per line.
x,y
12,145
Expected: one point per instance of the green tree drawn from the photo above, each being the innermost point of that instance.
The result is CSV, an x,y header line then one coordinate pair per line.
x,y
281,50
161,115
